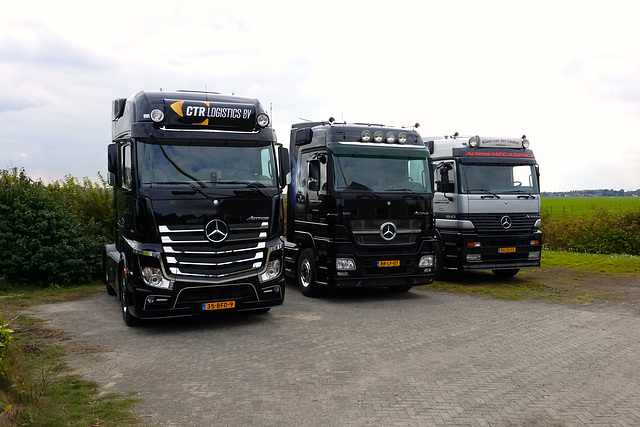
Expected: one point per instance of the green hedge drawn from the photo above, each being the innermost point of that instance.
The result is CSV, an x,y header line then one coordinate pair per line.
x,y
602,232
52,234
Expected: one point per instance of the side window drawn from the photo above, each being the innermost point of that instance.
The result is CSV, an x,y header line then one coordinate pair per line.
x,y
127,177
265,163
445,177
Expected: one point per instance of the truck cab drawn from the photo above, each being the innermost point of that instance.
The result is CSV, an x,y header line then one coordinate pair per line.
x,y
197,199
358,208
486,204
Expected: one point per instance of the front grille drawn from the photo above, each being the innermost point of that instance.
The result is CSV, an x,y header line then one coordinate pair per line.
x,y
187,251
521,223
366,232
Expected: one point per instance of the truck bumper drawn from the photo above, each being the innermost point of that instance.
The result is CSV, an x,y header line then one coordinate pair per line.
x,y
189,299
474,252
380,268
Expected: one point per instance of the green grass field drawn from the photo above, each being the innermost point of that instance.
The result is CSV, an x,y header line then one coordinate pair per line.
x,y
587,206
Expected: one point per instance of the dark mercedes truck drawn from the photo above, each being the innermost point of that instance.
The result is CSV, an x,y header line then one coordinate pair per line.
x,y
197,190
359,208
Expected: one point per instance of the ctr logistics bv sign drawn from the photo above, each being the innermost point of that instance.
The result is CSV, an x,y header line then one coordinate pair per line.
x,y
241,117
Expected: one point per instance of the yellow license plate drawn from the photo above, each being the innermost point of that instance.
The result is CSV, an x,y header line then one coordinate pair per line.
x,y
391,263
506,250
220,305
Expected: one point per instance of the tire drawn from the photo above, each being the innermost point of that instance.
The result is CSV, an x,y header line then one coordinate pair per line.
x,y
505,274
306,274
107,285
438,268
129,319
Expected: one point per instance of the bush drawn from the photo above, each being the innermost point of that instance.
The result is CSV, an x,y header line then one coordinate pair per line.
x,y
48,235
603,232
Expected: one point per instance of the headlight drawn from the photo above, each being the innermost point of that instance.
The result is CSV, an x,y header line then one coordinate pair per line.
x,y
391,137
157,115
272,271
153,277
345,264
263,120
426,261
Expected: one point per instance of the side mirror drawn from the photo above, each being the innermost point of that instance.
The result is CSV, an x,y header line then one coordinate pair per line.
x,y
312,185
113,160
303,136
284,164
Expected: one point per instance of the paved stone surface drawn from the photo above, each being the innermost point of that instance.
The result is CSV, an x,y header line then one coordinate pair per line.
x,y
375,358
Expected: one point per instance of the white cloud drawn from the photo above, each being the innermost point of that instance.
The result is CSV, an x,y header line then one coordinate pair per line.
x,y
564,73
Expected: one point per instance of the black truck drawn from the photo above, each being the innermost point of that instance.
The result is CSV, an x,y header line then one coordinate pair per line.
x,y
198,205
359,208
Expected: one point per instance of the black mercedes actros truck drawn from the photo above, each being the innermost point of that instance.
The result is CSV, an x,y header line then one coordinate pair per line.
x,y
198,207
359,208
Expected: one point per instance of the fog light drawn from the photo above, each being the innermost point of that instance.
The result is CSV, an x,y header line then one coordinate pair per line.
x,y
474,257
534,242
402,138
273,271
426,261
534,255
366,136
345,264
473,244
378,136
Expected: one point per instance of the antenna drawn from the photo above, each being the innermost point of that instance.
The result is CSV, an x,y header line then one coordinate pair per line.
x,y
271,112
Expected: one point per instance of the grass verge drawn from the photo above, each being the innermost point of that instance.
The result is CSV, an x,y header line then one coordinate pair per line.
x,y
36,386
564,277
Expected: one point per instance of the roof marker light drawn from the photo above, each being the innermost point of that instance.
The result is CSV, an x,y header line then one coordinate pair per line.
x,y
525,142
157,115
262,120
378,136
402,138
366,136
391,137
474,141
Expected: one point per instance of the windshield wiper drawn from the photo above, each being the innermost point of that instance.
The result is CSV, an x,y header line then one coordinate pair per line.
x,y
357,186
486,191
190,184
410,191
525,193
247,183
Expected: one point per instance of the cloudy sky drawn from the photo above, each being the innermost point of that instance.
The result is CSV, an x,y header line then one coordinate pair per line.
x,y
565,73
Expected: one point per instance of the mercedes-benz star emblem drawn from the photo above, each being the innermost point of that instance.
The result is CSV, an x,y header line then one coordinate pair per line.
x,y
216,231
388,231
505,222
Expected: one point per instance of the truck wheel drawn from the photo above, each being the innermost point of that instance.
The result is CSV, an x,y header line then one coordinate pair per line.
x,y
306,274
129,319
504,274
438,270
107,284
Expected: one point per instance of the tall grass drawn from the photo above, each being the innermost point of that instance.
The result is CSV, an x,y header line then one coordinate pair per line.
x,y
600,232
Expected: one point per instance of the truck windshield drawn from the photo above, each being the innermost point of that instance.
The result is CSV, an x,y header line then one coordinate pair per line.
x,y
502,178
381,174
206,166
